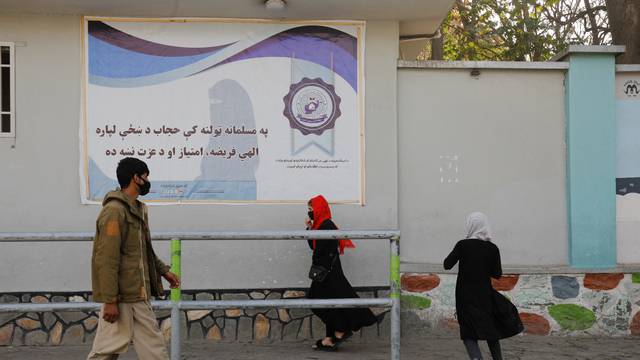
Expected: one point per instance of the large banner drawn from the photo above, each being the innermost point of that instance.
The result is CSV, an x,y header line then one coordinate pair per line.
x,y
225,110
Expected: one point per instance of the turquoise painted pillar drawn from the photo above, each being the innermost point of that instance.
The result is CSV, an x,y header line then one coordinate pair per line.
x,y
591,155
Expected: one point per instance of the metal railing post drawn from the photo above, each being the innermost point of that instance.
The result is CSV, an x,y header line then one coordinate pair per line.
x,y
176,297
395,297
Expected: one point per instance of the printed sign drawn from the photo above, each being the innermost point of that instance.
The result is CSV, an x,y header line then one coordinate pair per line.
x,y
225,110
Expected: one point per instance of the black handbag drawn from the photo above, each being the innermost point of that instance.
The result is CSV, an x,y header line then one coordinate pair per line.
x,y
506,315
319,273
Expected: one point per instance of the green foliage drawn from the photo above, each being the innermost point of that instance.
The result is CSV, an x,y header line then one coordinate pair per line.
x,y
521,30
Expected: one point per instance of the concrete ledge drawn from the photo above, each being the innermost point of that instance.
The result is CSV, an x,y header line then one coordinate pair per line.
x,y
499,65
524,269
589,49
628,68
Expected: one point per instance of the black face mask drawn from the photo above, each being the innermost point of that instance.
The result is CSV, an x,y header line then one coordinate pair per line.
x,y
310,213
144,188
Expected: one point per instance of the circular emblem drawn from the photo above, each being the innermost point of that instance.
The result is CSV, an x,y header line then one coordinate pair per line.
x,y
312,106
631,88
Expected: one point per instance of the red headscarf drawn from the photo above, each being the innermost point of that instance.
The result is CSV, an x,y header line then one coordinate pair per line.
x,y
321,213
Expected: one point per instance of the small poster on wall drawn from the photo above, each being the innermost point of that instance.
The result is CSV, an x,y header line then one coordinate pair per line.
x,y
628,167
628,118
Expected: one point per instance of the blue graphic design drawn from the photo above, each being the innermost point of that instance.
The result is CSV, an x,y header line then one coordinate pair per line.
x,y
107,60
117,59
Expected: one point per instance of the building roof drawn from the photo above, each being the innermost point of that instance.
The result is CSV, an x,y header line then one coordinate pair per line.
x,y
415,16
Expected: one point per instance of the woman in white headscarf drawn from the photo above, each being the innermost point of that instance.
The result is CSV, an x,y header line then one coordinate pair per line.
x,y
483,314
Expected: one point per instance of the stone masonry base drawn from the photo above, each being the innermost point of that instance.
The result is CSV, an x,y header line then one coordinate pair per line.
x,y
549,304
219,325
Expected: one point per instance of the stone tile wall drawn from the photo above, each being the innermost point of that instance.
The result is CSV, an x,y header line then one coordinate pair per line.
x,y
588,304
565,305
218,325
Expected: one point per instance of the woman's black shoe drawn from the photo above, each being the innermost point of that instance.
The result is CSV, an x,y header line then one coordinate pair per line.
x,y
322,347
344,337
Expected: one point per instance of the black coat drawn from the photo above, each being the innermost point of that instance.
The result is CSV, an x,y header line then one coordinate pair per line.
x,y
335,286
482,312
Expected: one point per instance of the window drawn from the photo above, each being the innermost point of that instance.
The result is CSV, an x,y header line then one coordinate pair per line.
x,y
7,93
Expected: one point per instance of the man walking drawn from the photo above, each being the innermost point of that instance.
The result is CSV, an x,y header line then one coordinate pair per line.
x,y
125,272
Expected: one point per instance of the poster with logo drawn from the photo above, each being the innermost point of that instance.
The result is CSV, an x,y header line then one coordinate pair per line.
x,y
628,165
225,110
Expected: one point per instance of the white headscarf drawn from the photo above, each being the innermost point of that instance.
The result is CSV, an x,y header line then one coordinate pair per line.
x,y
477,227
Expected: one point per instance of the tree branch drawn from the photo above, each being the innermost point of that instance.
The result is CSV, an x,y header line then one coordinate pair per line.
x,y
577,16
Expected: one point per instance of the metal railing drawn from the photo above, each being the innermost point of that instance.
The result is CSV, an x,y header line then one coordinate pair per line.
x,y
176,303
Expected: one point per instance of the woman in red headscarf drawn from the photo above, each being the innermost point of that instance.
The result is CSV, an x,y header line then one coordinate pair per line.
x,y
340,323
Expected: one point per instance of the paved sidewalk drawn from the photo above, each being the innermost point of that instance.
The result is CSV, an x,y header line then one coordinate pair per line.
x,y
449,348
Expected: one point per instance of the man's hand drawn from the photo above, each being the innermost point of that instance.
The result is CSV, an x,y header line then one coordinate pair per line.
x,y
110,312
173,279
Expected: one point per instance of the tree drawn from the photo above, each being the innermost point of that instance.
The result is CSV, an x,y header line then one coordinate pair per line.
x,y
469,32
624,17
437,48
522,30
579,22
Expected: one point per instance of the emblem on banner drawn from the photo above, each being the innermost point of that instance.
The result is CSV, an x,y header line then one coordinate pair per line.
x,y
312,106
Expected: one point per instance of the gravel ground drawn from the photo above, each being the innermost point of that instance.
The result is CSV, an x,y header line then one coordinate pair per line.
x,y
450,348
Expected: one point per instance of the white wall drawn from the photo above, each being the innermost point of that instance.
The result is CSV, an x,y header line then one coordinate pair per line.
x,y
39,182
504,131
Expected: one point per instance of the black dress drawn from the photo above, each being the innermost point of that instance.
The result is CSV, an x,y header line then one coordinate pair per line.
x,y
478,305
335,286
